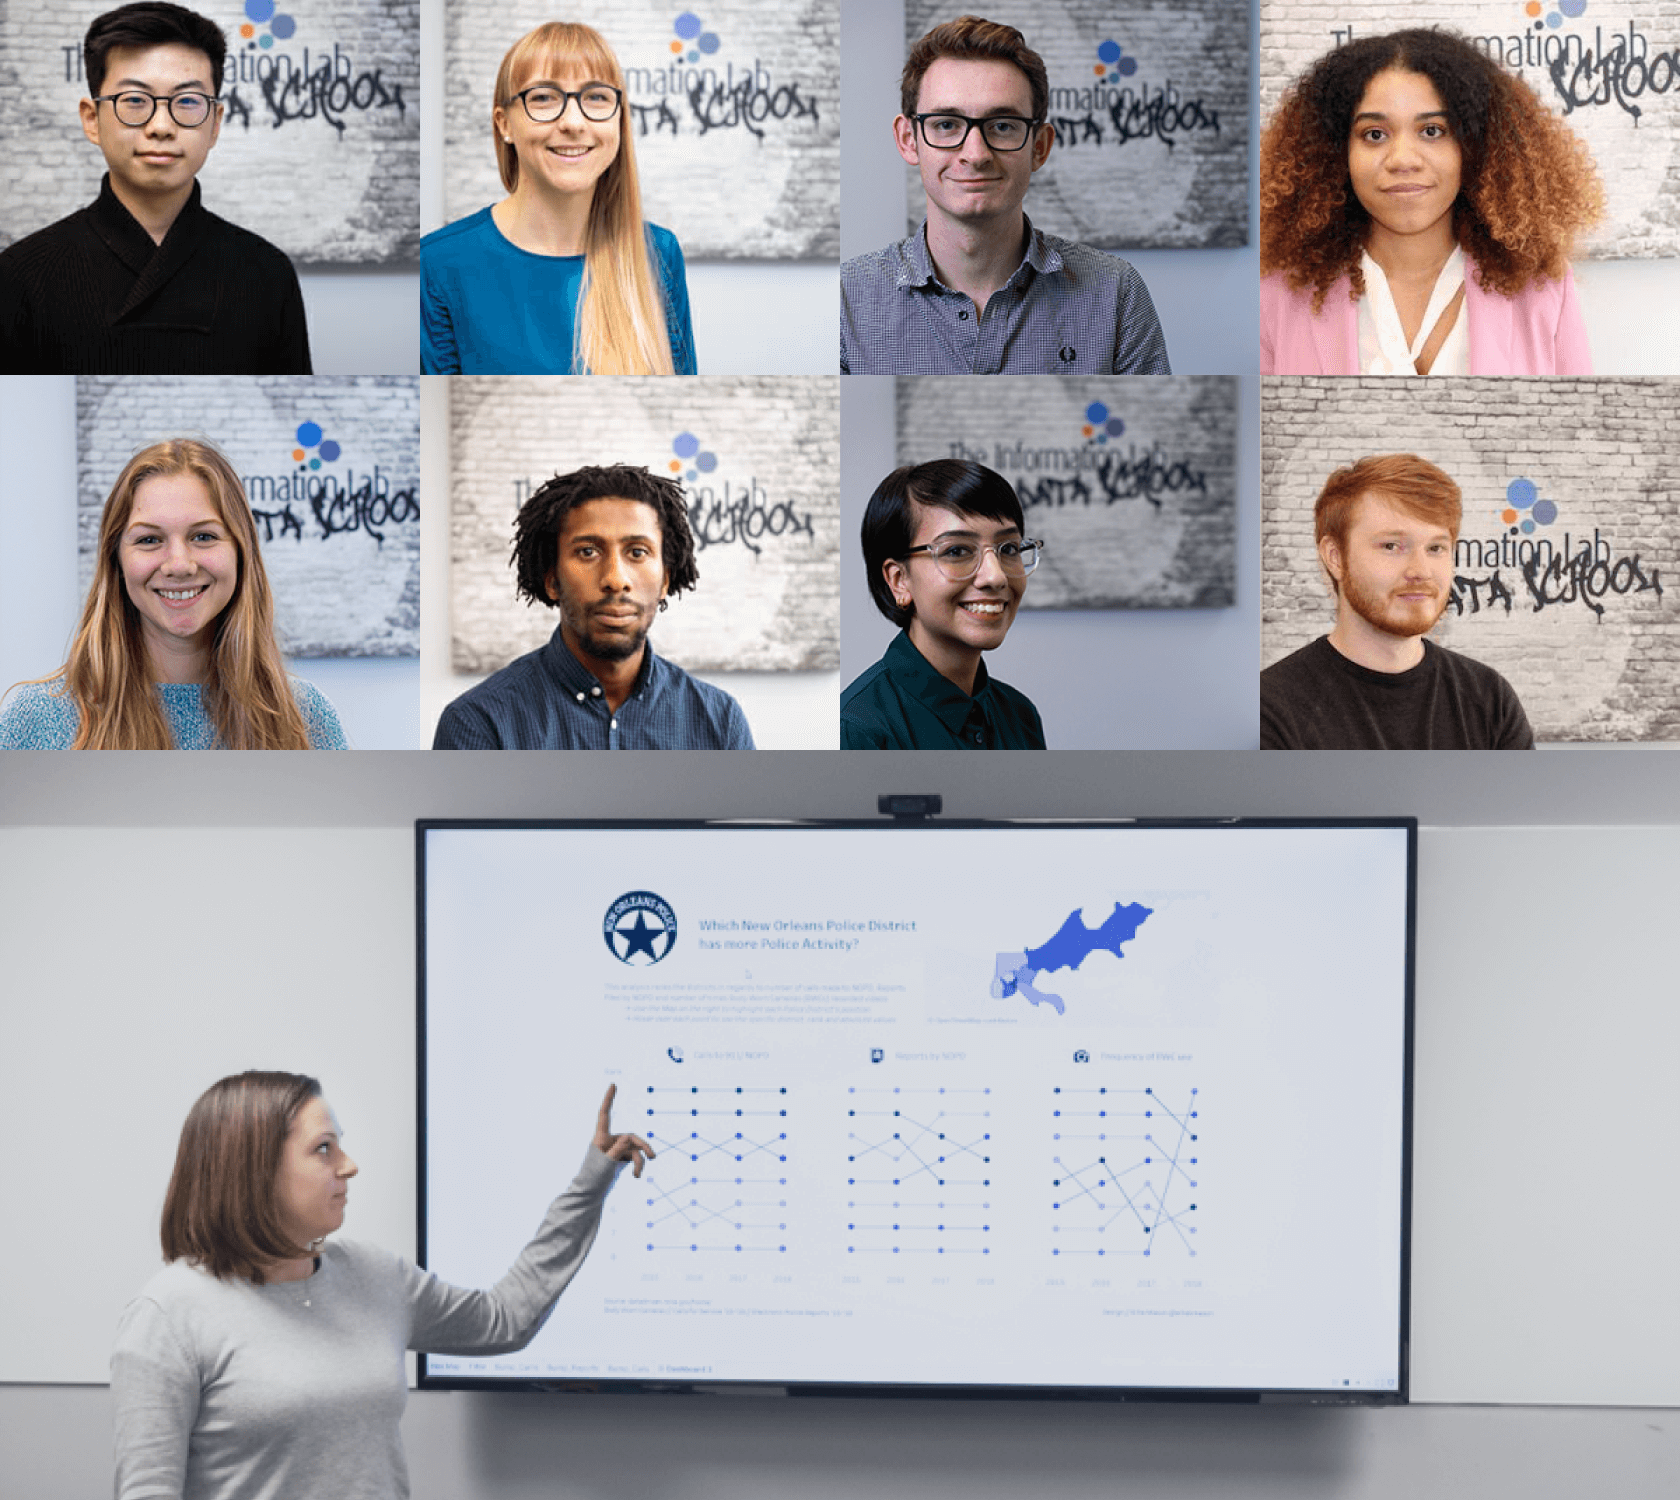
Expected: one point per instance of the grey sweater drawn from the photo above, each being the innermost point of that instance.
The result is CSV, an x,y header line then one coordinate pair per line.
x,y
225,1390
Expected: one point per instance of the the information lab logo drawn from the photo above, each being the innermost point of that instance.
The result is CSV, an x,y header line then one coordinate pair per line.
x,y
1524,510
692,39
1112,63
263,26
696,90
1100,425
722,512
1553,13
313,448
691,459
640,928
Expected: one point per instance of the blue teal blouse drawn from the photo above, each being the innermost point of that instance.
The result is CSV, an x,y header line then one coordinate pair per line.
x,y
489,308
41,716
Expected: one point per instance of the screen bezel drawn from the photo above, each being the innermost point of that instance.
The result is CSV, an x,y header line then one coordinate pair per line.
x,y
911,825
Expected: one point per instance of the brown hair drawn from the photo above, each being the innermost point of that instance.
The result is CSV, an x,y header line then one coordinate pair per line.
x,y
972,39
222,1211
620,325
1411,483
1528,187
246,693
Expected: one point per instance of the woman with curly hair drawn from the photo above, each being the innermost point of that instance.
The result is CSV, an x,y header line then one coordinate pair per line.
x,y
1417,209
175,649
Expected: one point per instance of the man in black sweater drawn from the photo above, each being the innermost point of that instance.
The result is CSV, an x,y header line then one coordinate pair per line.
x,y
1386,529
145,280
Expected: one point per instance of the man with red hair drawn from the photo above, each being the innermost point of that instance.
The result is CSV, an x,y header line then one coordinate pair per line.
x,y
1386,528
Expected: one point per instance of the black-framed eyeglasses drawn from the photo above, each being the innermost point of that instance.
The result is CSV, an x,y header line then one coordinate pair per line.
x,y
1001,132
132,107
545,103
958,559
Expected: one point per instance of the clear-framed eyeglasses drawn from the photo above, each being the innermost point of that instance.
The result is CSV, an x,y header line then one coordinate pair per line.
x,y
545,103
958,559
132,107
1001,132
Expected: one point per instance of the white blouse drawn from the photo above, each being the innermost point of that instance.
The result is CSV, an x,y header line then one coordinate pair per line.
x,y
1382,345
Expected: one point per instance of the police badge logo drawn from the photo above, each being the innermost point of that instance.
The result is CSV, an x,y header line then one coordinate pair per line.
x,y
640,928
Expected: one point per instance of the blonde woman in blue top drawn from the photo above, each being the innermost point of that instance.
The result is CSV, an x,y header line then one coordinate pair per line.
x,y
562,276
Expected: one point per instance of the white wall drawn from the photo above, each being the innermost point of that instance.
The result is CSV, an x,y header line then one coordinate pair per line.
x,y
362,322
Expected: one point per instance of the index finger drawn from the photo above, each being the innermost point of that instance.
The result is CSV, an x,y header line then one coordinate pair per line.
x,y
604,1119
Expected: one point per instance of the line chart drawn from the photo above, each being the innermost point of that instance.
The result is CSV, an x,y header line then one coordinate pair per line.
x,y
733,1196
1126,1165
918,1171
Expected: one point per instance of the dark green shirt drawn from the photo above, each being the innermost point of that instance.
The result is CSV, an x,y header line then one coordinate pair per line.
x,y
902,703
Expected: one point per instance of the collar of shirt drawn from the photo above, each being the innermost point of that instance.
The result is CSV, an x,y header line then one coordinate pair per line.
x,y
126,237
579,683
964,715
916,264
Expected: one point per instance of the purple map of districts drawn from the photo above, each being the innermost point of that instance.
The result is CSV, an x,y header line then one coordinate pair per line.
x,y
1073,943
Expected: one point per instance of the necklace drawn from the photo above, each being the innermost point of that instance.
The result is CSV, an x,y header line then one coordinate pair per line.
x,y
303,1286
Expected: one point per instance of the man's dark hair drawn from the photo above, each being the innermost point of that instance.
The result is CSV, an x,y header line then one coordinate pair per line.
x,y
972,39
890,521
151,24
536,530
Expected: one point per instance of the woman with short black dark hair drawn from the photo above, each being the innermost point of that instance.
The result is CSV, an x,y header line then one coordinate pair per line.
x,y
947,556
264,1361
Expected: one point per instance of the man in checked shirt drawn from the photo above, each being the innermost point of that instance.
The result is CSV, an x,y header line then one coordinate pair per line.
x,y
978,289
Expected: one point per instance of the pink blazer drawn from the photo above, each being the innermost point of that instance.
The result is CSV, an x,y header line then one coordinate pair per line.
x,y
1537,332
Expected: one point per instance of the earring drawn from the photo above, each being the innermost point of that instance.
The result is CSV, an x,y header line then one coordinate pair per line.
x,y
664,604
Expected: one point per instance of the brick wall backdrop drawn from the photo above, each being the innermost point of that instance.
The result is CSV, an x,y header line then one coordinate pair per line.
x,y
1130,480
762,478
1617,81
737,146
320,144
1154,151
1589,631
340,541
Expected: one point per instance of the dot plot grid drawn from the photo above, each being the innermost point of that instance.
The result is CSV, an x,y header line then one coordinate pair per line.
x,y
1125,1173
734,1199
919,1171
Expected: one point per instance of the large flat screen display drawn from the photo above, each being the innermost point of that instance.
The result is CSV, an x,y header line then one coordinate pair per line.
x,y
1020,1109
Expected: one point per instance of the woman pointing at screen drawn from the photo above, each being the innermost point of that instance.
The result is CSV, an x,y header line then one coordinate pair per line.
x,y
266,1361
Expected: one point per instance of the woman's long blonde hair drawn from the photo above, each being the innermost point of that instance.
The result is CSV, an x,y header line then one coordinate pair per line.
x,y
620,322
246,693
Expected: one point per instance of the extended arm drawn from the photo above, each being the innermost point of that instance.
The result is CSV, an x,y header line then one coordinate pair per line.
x,y
453,1320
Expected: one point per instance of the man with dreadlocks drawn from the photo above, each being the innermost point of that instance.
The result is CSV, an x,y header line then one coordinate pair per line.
x,y
605,546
